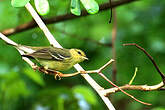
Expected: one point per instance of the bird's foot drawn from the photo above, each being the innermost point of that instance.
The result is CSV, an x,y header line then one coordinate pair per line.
x,y
58,75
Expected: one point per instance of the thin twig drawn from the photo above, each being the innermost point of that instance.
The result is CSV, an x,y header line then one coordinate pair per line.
x,y
104,66
102,75
110,20
62,18
133,77
162,89
150,57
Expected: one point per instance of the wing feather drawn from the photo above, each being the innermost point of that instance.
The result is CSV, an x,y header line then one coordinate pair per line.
x,y
51,53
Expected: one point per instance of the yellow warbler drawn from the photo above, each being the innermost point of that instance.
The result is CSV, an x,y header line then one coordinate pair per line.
x,y
54,58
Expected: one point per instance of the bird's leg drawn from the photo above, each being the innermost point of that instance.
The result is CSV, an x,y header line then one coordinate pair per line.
x,y
41,69
56,74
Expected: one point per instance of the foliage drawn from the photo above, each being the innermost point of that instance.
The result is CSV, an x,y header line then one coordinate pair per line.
x,y
75,7
42,6
141,22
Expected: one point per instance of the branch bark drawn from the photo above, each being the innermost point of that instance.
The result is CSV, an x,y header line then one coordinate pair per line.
x,y
134,87
61,18
85,38
114,34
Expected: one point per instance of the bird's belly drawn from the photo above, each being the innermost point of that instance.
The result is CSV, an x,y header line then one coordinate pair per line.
x,y
56,65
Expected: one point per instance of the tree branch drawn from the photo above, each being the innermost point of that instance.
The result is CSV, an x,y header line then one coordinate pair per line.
x,y
85,38
133,87
114,34
150,57
102,75
61,18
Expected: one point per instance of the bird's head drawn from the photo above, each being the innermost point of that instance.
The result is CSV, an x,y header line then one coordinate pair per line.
x,y
78,55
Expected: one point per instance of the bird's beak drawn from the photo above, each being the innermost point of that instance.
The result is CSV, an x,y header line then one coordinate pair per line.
x,y
85,58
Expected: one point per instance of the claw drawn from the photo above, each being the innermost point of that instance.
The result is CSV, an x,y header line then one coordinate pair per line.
x,y
57,77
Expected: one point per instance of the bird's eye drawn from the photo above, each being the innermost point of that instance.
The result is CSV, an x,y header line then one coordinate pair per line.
x,y
79,52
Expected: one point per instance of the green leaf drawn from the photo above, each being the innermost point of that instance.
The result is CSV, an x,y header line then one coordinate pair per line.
x,y
91,6
19,3
88,94
34,76
75,7
13,86
4,68
42,6
159,108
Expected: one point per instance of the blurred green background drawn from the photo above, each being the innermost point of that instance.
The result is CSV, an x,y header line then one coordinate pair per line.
x,y
141,22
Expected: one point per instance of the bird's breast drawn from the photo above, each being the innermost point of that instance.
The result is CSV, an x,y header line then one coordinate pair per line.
x,y
56,65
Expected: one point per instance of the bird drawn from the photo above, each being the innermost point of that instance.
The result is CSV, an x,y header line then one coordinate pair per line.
x,y
53,58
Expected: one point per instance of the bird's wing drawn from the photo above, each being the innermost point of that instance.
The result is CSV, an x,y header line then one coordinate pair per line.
x,y
50,54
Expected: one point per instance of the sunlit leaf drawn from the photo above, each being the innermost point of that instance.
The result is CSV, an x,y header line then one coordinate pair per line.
x,y
75,7
19,3
91,6
42,6
159,108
